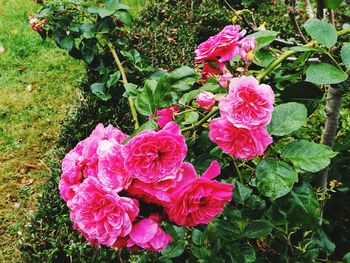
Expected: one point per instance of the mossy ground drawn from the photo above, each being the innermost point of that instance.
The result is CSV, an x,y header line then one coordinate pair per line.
x,y
38,85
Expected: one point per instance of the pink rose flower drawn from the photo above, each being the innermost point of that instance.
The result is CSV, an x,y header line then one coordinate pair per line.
x,y
198,200
248,45
101,214
211,68
222,47
165,115
248,104
111,171
82,161
148,235
206,100
155,156
239,142
224,80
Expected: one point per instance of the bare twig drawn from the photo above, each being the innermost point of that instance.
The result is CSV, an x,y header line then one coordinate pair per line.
x,y
320,9
290,4
308,9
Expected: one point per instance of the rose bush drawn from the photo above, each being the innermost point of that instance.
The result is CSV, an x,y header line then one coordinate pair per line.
x,y
219,115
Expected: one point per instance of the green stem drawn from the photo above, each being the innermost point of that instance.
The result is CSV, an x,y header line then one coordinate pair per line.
x,y
203,120
237,170
125,81
291,52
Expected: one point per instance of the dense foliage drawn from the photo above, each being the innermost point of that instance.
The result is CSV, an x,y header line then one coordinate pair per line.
x,y
275,211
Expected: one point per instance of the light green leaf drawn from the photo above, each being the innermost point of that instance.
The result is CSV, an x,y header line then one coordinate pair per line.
x,y
307,155
345,54
287,118
263,57
144,101
241,193
322,31
257,229
325,73
275,178
197,237
103,12
212,87
264,37
175,249
333,4
191,117
113,78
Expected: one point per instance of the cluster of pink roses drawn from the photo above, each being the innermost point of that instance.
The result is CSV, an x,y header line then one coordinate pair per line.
x,y
103,181
248,106
221,48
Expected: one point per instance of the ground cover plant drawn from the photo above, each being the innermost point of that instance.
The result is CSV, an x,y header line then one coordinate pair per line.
x,y
35,96
223,163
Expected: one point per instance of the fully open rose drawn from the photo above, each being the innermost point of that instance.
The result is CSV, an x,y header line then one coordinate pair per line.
x,y
198,200
248,104
156,156
239,142
101,214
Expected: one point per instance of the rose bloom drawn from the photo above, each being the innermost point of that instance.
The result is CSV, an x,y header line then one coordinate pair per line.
x,y
198,200
111,171
211,68
239,142
165,115
158,192
222,47
248,45
206,100
82,161
224,80
148,235
248,104
155,156
101,214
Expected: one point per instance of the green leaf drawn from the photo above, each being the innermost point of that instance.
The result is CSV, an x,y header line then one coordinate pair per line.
x,y
212,87
99,90
345,54
103,12
346,258
303,92
197,237
275,178
301,206
264,37
323,242
287,118
149,125
175,249
241,193
263,57
325,73
130,90
322,31
191,117
144,101
124,16
113,79
257,229
65,42
307,155
333,4
112,4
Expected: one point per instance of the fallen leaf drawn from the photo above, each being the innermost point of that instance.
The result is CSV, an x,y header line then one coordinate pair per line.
x,y
16,205
2,49
32,86
14,31
21,68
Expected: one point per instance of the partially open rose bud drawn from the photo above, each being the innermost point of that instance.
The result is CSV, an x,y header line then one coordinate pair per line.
x,y
37,25
206,100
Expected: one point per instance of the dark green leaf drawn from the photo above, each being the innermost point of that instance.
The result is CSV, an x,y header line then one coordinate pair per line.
x,y
144,101
333,4
175,249
149,125
345,55
287,118
99,90
264,37
325,73
103,12
197,237
241,193
113,79
112,4
346,258
187,97
308,155
65,42
124,16
303,92
275,178
322,31
257,229
301,206
324,243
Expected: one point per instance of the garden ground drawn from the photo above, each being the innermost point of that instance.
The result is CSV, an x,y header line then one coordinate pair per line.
x,y
38,84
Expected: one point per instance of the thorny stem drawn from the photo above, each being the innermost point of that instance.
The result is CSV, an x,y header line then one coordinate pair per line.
x,y
290,4
201,121
125,81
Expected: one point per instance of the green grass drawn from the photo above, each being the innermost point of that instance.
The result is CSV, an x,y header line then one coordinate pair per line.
x,y
29,120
